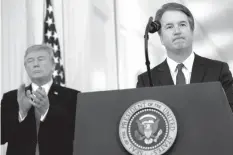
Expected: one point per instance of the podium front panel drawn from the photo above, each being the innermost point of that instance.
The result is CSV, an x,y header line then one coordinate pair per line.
x,y
204,117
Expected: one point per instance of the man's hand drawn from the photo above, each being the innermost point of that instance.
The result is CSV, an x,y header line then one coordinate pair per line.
x,y
24,100
40,101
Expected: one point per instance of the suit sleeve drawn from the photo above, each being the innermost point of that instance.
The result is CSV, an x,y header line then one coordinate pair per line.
x,y
4,120
9,119
227,81
3,138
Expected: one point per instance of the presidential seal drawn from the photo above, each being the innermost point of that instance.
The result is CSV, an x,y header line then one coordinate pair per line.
x,y
148,127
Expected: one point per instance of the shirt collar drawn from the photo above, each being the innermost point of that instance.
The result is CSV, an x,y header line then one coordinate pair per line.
x,y
188,63
46,86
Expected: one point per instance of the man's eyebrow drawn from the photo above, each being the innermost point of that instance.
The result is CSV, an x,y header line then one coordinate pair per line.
x,y
168,24
183,21
29,58
41,57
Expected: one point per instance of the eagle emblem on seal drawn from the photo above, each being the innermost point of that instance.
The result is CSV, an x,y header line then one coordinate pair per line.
x,y
147,129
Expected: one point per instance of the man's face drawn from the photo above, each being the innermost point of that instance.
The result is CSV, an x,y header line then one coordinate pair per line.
x,y
175,31
39,65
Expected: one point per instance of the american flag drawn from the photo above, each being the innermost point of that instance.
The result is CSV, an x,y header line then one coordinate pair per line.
x,y
51,38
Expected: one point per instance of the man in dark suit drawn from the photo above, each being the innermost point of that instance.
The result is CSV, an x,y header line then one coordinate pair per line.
x,y
182,65
39,119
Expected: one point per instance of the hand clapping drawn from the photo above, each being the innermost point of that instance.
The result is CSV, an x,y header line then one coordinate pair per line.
x,y
40,100
37,98
24,100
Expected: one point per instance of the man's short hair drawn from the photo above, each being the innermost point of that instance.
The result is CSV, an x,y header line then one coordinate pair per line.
x,y
175,7
40,47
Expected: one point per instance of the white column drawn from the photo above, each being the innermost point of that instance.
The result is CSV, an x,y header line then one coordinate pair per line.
x,y
35,16
76,28
89,45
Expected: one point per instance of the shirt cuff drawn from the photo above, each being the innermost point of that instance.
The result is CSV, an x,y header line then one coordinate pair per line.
x,y
42,118
21,118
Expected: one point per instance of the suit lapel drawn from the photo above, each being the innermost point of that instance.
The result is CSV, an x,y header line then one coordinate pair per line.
x,y
164,74
198,71
53,94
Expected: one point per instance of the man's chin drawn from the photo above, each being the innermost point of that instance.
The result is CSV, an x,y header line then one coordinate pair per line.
x,y
180,47
37,78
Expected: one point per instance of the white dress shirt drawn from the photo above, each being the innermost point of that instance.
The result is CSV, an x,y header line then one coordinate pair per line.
x,y
187,69
46,87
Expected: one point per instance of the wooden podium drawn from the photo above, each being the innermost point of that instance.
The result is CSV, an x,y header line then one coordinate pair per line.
x,y
204,118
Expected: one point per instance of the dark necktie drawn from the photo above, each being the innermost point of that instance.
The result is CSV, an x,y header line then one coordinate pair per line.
x,y
37,116
180,79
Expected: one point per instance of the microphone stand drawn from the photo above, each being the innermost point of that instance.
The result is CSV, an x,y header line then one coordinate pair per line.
x,y
146,38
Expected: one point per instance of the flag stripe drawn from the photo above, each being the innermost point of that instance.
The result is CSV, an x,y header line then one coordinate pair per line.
x,y
51,38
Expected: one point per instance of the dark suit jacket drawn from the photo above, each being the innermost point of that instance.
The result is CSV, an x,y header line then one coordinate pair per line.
x,y
56,132
204,70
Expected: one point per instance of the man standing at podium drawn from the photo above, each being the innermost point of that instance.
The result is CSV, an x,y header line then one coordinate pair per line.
x,y
182,65
39,119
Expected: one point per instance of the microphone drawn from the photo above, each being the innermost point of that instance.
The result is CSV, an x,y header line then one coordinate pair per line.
x,y
151,27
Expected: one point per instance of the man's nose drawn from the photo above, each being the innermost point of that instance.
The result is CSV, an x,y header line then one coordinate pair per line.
x,y
36,63
176,30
